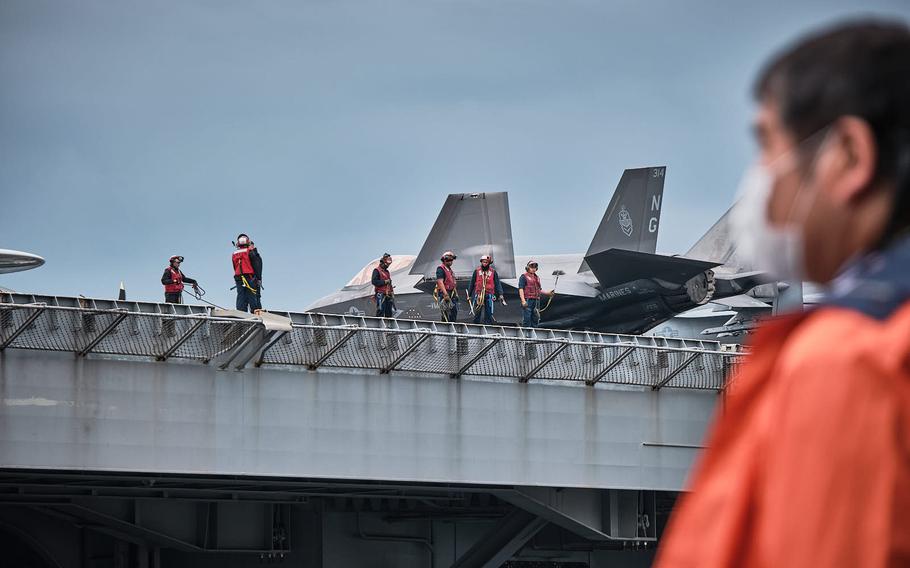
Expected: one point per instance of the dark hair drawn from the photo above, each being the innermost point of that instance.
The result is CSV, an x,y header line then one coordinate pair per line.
x,y
856,68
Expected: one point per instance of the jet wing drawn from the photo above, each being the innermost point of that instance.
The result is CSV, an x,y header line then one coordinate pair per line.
x,y
471,225
565,287
615,266
742,301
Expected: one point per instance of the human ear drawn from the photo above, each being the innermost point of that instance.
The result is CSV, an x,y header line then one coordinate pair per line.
x,y
853,157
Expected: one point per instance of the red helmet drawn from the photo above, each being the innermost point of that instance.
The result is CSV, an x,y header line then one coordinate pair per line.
x,y
176,257
487,258
448,254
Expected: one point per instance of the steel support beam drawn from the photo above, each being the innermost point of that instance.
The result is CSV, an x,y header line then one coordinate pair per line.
x,y
241,344
544,363
28,321
613,364
391,366
104,333
180,341
507,538
676,371
333,349
464,368
268,346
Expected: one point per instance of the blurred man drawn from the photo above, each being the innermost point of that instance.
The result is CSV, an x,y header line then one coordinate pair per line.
x,y
809,463
247,275
383,291
529,292
446,287
173,280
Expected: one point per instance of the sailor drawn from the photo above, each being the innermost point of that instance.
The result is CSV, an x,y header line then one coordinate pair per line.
x,y
173,280
383,291
808,463
529,291
446,287
247,275
485,288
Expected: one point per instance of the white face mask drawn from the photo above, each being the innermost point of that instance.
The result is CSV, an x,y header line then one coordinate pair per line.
x,y
779,251
759,244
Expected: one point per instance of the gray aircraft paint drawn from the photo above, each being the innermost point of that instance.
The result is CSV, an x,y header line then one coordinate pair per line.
x,y
473,224
632,219
627,289
16,261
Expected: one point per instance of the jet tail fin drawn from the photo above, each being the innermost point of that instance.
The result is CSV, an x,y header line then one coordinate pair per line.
x,y
633,216
471,225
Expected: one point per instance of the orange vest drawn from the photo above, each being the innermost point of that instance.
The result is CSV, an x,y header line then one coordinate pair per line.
x,y
241,260
532,286
385,288
176,284
808,463
479,282
449,280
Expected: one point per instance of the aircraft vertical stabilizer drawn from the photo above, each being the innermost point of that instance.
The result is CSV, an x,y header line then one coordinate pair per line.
x,y
633,216
472,225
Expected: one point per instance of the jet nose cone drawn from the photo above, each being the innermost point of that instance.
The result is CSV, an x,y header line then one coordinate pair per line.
x,y
16,261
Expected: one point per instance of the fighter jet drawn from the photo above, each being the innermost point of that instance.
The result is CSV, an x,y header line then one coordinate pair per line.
x,y
620,285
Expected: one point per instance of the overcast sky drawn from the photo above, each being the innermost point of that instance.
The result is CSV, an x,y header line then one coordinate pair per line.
x,y
332,132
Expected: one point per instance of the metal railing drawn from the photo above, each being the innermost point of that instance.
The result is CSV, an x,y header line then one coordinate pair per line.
x,y
163,331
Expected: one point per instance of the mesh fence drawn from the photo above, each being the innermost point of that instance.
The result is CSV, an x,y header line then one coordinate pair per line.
x,y
120,333
526,359
454,354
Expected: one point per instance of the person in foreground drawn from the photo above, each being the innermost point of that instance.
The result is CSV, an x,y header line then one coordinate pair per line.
x,y
808,463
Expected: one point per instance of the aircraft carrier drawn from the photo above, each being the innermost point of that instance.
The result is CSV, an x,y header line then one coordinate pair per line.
x,y
145,434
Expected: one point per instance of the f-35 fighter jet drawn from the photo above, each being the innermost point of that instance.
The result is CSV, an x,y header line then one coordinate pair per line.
x,y
620,285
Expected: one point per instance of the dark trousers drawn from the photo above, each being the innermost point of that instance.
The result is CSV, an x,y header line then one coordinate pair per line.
x,y
173,297
530,317
247,300
451,314
385,306
486,311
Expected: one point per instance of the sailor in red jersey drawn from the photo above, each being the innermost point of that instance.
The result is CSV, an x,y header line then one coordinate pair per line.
x,y
529,291
383,291
485,288
446,287
173,280
247,275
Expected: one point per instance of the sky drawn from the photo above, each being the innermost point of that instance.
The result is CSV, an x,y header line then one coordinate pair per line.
x,y
331,132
